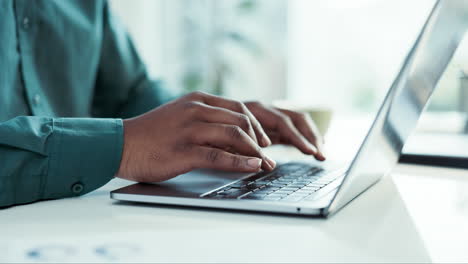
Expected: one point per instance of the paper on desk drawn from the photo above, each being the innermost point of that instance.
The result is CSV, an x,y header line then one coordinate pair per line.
x,y
106,249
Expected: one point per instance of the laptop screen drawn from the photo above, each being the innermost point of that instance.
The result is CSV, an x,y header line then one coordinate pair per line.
x,y
406,99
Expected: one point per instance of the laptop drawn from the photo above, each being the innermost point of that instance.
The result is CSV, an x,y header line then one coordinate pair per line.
x,y
322,189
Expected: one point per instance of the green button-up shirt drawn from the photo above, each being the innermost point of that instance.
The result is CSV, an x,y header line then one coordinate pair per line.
x,y
68,73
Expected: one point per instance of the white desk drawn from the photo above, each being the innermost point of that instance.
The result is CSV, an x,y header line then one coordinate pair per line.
x,y
418,214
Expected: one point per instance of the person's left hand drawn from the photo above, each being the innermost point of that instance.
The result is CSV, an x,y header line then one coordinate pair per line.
x,y
289,127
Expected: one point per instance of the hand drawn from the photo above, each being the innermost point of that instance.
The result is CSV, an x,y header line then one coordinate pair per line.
x,y
289,127
195,131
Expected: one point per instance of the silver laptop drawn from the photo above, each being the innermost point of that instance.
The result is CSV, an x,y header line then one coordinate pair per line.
x,y
320,189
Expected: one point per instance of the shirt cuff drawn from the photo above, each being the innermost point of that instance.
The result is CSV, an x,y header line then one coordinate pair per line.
x,y
84,155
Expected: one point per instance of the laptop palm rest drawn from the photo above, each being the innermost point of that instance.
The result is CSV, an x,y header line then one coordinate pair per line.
x,y
189,185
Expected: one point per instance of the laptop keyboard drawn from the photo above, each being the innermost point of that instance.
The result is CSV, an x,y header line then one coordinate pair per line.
x,y
291,182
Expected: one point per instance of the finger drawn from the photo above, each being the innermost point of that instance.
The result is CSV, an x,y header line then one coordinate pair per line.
x,y
229,138
289,132
307,128
314,137
213,114
239,107
274,137
213,158
279,123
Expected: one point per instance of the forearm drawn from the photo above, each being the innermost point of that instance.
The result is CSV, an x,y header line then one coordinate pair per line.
x,y
49,158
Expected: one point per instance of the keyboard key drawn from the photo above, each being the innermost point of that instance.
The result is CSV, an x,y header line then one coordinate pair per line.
x,y
261,191
304,192
233,193
239,184
271,178
306,180
254,196
262,182
271,188
287,188
254,186
281,180
277,185
311,189
291,176
278,194
294,185
323,183
289,167
272,198
292,181
281,191
316,185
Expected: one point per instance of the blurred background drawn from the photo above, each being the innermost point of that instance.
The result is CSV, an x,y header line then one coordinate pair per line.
x,y
334,56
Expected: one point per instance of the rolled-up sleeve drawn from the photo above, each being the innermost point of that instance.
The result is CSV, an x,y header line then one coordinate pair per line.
x,y
47,158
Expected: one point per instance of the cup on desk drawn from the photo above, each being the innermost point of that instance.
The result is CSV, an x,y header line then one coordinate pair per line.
x,y
322,116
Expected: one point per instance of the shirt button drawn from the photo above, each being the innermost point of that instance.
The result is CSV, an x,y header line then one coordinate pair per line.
x,y
26,23
36,100
77,188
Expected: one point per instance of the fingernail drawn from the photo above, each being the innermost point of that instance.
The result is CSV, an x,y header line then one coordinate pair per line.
x,y
321,156
254,163
266,141
271,162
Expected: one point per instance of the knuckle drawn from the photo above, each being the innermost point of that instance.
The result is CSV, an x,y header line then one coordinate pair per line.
x,y
257,104
239,106
234,132
183,147
192,107
244,108
257,151
284,118
197,94
244,122
235,162
189,104
302,115
189,96
213,156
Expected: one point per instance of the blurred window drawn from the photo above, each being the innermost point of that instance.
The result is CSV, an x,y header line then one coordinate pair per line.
x,y
338,54
345,55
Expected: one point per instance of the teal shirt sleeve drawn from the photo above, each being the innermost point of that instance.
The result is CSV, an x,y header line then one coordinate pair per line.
x,y
92,74
124,88
48,158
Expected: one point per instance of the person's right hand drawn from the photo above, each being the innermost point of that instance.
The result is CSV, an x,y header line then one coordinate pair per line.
x,y
195,131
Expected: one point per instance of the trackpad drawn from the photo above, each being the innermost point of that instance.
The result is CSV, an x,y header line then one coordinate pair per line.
x,y
191,184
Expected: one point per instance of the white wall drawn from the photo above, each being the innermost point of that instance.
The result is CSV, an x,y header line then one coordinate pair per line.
x,y
340,48
144,20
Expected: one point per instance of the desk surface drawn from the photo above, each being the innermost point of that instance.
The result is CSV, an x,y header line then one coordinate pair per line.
x,y
418,214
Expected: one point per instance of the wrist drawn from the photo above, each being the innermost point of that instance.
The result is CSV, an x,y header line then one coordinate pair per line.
x,y
123,168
